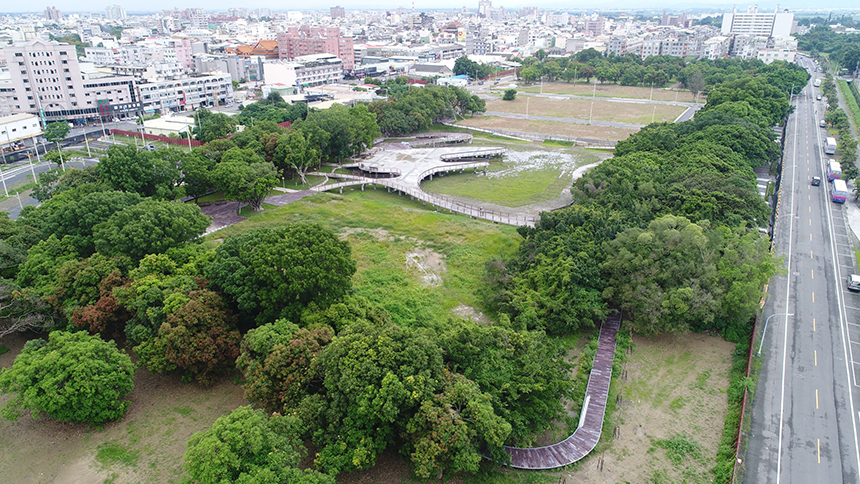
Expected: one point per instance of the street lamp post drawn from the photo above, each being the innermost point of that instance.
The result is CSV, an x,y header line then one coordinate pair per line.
x,y
765,329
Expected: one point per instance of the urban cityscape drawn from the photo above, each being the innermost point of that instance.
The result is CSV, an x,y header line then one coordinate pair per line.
x,y
489,243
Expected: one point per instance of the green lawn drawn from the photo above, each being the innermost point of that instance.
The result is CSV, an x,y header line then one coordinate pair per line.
x,y
534,176
158,144
477,134
382,228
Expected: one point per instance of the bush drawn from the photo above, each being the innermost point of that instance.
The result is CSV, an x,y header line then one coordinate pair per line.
x,y
73,377
510,95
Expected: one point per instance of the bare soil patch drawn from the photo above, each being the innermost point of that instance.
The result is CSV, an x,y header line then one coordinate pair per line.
x,y
675,386
164,413
611,90
618,112
549,127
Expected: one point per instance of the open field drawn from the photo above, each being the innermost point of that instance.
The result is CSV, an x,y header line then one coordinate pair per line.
x,y
145,447
671,413
136,140
522,178
616,112
612,90
549,127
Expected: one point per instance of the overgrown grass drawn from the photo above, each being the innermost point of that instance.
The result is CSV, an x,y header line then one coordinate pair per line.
x,y
381,228
527,187
680,448
3,349
739,383
477,134
851,101
111,452
135,140
558,143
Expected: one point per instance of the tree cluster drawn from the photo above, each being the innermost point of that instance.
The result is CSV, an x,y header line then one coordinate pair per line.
x,y
416,109
668,229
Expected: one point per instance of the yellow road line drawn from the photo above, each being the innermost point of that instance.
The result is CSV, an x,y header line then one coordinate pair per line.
x,y
813,297
813,324
816,399
812,273
816,360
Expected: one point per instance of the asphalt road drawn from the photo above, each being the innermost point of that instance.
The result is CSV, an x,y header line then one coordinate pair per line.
x,y
804,425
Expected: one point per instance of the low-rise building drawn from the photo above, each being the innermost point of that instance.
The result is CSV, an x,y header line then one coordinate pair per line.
x,y
186,94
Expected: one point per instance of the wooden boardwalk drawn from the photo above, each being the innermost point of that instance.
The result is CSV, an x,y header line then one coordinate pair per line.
x,y
437,201
586,436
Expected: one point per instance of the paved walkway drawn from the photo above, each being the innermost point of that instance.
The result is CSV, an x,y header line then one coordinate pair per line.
x,y
587,434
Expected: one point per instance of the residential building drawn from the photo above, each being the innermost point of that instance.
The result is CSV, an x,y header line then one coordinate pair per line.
x,y
595,25
46,79
617,44
53,14
337,12
115,12
186,94
199,20
716,47
305,71
485,8
306,40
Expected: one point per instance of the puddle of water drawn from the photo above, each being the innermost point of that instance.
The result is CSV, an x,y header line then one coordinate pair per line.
x,y
518,161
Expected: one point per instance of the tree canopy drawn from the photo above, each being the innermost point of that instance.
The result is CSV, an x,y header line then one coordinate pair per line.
x,y
73,377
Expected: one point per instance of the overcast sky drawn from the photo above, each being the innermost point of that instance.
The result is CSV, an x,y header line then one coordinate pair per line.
x,y
214,5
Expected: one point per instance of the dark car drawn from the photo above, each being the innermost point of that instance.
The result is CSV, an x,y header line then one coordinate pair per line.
x,y
816,180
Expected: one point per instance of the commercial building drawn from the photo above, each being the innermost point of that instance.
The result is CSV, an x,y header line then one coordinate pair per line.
x,y
46,80
53,14
115,12
16,129
305,40
753,22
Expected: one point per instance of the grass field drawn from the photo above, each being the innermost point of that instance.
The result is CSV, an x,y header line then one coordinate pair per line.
x,y
158,144
612,90
581,109
525,177
385,230
549,127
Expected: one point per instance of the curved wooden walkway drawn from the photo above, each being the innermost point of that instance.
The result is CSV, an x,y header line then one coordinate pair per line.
x,y
586,436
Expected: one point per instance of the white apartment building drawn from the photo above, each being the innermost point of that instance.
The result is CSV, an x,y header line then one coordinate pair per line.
x,y
753,22
304,71
46,79
186,94
716,47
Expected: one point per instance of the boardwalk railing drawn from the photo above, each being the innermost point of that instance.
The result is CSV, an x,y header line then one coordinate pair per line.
x,y
480,153
440,202
586,436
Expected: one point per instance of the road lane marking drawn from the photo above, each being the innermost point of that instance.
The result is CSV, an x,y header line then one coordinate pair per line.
x,y
810,223
813,324
813,297
819,450
816,399
810,210
812,273
816,360
810,254
810,237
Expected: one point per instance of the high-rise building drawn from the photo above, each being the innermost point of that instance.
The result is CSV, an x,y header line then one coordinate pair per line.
x,y
485,8
46,80
753,22
115,12
305,40
53,14
199,20
337,12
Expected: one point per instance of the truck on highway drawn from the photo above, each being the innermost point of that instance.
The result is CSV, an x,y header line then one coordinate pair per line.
x,y
839,191
830,145
834,170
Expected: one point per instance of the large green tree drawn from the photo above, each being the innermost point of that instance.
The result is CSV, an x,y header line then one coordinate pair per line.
x,y
149,173
245,177
73,377
272,273
209,126
150,227
248,446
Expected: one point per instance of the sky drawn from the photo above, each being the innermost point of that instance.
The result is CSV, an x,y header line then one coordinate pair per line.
x,y
214,5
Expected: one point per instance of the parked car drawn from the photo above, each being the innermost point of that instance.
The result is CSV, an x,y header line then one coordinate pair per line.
x,y
854,282
149,147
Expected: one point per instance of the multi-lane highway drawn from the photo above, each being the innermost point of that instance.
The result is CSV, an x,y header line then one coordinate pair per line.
x,y
804,426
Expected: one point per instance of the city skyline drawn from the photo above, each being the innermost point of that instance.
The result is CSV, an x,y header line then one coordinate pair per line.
x,y
68,6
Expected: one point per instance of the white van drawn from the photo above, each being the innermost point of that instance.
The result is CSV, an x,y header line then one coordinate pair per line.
x,y
822,123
